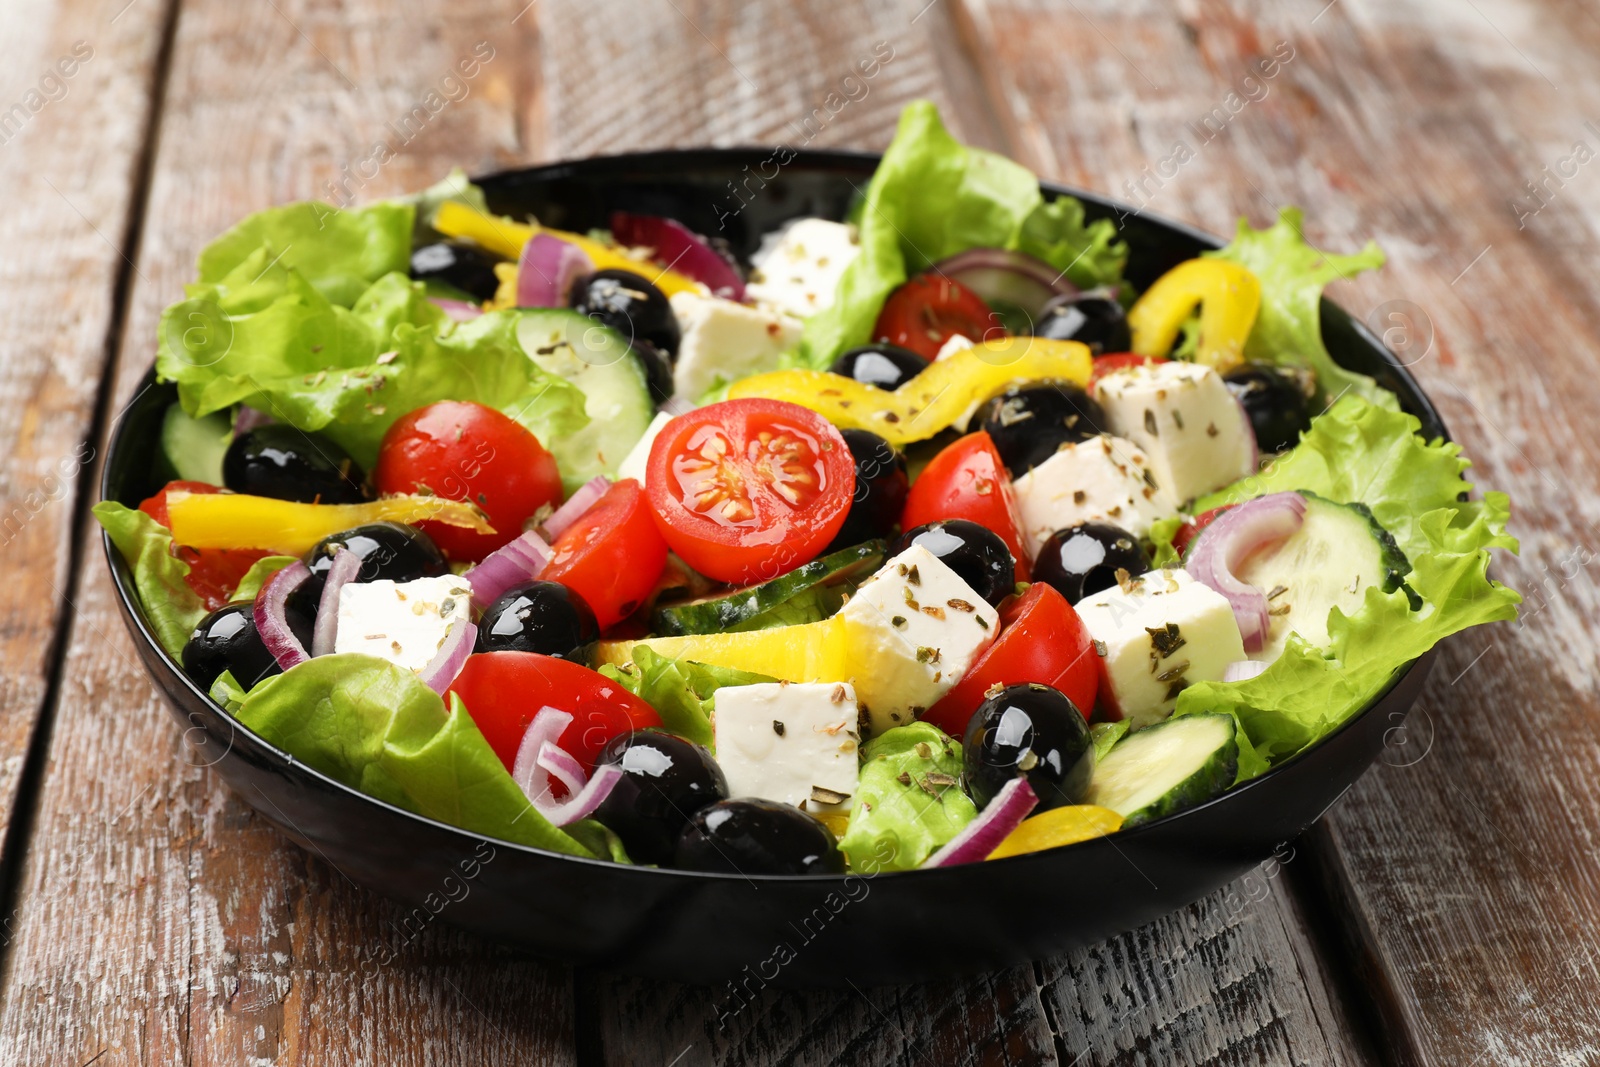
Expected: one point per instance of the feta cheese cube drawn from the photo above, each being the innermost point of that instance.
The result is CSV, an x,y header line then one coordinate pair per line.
x,y
797,268
956,342
915,627
1156,634
404,623
633,464
723,339
791,742
1103,479
1185,419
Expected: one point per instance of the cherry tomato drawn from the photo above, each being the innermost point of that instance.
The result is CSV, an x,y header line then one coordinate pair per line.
x,y
1041,640
1115,361
746,490
968,481
928,310
214,573
504,691
464,451
612,556
1192,527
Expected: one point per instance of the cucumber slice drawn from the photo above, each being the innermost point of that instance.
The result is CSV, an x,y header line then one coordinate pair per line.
x,y
1167,767
194,447
1330,561
599,361
809,593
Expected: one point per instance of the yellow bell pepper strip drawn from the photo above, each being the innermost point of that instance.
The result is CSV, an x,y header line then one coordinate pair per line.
x,y
944,393
1229,297
808,652
238,520
1058,826
506,238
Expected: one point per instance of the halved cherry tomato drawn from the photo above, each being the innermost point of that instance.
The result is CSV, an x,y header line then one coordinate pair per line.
x,y
214,573
459,450
504,691
1191,528
968,481
612,556
1041,640
746,490
928,310
1115,361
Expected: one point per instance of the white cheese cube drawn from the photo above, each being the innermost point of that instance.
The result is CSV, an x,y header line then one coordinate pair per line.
x,y
1156,634
797,268
633,464
406,623
1103,479
915,628
956,342
726,340
791,742
1185,419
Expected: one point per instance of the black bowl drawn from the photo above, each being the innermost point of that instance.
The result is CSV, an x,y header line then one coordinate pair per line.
x,y
824,930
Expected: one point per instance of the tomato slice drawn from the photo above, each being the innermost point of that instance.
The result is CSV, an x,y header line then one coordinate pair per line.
x,y
968,481
929,309
503,691
1115,361
746,490
1041,640
612,556
1192,527
214,573
464,451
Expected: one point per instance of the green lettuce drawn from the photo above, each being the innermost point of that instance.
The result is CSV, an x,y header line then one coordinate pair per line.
x,y
682,692
1361,452
227,692
340,252
257,576
376,727
909,801
1293,275
932,197
171,607
1105,736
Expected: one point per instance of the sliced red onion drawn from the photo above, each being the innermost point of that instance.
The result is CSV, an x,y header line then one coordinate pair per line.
x,y
563,765
547,269
581,500
679,249
677,405
1229,540
993,825
345,566
582,804
459,310
545,728
271,613
248,418
447,662
1009,278
539,757
517,563
1243,670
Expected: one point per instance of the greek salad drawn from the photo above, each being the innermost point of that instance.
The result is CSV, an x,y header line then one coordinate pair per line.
x,y
921,538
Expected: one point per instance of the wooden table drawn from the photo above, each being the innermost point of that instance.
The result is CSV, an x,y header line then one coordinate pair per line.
x,y
1445,913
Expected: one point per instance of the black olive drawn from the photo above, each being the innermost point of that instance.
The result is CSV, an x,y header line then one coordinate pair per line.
x,y
389,550
1094,318
752,836
974,552
458,264
280,461
1035,731
665,780
883,365
657,370
1029,424
543,617
1085,558
881,489
226,640
629,304
1278,403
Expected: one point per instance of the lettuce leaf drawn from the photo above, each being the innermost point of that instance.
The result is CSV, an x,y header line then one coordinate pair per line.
x,y
1293,275
171,607
897,824
932,197
682,691
339,252
257,576
1360,452
376,727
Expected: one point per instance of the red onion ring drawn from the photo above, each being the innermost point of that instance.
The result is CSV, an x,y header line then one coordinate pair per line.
x,y
248,418
1229,540
993,825
1004,277
457,310
563,766
679,249
516,563
271,614
546,726
581,500
582,804
539,758
547,269
345,567
447,662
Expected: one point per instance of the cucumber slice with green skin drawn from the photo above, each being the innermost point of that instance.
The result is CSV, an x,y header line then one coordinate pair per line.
x,y
194,447
600,362
809,593
1167,767
1338,552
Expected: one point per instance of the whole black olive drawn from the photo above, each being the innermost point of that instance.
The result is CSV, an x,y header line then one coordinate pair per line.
x,y
459,264
227,640
665,780
631,305
280,461
881,489
1035,731
1029,424
543,617
1094,317
1085,558
974,552
1277,402
882,365
750,836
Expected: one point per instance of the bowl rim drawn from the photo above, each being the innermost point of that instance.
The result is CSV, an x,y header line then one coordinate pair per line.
x,y
803,159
